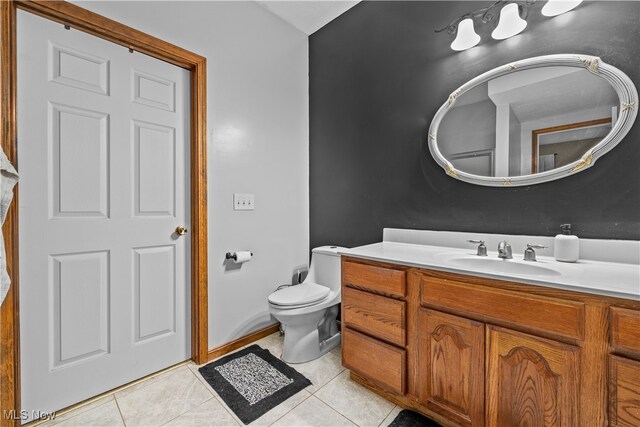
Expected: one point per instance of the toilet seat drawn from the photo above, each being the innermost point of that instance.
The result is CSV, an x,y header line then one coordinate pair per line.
x,y
304,294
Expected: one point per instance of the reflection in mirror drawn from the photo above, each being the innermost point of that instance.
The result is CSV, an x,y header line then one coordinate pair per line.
x,y
528,121
559,146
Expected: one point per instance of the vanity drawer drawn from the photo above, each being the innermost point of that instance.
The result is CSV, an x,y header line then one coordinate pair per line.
x,y
532,312
376,315
625,330
386,281
374,360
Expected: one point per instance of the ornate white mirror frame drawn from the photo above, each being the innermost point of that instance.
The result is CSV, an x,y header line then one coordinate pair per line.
x,y
621,83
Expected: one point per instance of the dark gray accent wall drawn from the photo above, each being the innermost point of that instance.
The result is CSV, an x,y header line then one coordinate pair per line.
x,y
378,74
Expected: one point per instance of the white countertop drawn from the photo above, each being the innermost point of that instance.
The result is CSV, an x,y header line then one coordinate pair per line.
x,y
613,279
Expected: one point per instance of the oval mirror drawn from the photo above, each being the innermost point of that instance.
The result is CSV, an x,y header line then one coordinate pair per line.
x,y
533,121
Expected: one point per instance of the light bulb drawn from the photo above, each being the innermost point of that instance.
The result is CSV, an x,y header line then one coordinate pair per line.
x,y
466,37
510,23
558,7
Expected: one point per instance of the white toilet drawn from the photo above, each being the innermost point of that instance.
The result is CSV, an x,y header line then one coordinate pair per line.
x,y
308,311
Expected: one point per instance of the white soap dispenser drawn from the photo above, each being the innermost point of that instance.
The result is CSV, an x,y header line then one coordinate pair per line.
x,y
566,246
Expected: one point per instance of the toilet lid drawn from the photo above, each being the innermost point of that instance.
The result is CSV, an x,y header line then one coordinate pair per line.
x,y
304,293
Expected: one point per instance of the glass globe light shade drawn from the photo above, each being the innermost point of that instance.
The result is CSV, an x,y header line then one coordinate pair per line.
x,y
558,7
466,37
510,23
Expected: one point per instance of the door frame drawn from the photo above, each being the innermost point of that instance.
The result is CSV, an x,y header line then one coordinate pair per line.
x,y
537,132
107,29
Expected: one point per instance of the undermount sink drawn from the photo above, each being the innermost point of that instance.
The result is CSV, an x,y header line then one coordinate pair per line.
x,y
504,266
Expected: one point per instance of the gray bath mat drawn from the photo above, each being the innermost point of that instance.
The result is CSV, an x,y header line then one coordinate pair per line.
x,y
253,381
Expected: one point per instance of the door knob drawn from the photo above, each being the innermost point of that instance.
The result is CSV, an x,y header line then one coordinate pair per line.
x,y
181,230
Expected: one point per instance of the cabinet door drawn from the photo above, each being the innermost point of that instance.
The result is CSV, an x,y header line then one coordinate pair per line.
x,y
530,381
624,392
451,366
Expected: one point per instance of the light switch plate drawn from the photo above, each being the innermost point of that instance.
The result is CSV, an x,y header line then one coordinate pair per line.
x,y
243,202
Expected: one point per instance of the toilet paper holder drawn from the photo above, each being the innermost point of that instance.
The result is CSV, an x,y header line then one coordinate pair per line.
x,y
233,255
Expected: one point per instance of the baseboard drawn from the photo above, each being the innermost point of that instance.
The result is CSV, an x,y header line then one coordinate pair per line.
x,y
214,353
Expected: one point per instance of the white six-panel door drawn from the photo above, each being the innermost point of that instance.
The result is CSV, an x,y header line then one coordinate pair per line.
x,y
103,156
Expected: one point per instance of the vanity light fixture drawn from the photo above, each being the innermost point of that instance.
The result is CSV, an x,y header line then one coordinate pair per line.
x,y
466,37
558,7
512,17
510,22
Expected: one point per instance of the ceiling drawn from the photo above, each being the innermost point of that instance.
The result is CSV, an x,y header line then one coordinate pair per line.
x,y
308,15
545,92
552,91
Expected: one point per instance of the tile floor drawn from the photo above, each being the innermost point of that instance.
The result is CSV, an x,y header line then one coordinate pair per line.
x,y
181,397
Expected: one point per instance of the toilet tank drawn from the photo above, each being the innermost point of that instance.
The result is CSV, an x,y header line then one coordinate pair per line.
x,y
325,267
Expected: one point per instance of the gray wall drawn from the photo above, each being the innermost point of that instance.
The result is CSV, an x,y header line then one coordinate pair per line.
x,y
468,128
515,145
378,74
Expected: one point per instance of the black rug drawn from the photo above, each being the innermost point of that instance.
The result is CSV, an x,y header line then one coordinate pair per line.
x,y
253,381
407,418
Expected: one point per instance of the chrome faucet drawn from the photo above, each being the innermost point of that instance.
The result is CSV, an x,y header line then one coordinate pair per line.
x,y
482,249
530,254
504,250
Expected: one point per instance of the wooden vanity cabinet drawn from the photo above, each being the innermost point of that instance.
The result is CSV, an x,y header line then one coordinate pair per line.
x,y
470,351
528,380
